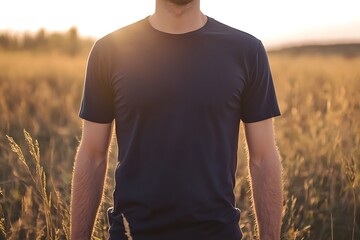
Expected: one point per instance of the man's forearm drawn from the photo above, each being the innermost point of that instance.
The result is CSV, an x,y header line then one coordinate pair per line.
x,y
267,190
87,188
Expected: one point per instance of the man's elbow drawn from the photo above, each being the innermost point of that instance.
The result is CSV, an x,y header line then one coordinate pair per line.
x,y
95,156
265,157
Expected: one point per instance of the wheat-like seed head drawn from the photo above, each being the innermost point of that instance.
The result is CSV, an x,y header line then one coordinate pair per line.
x,y
350,170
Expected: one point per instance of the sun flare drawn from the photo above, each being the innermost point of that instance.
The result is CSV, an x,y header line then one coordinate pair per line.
x,y
275,22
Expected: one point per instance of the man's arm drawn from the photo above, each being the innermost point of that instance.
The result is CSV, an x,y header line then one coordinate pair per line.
x,y
266,178
88,179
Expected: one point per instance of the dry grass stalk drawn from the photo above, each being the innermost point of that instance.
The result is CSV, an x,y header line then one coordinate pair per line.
x,y
38,178
350,172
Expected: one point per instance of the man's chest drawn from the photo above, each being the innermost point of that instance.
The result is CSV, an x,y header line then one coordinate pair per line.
x,y
196,79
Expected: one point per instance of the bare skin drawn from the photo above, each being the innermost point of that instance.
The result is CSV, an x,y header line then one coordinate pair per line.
x,y
91,159
176,19
265,171
88,179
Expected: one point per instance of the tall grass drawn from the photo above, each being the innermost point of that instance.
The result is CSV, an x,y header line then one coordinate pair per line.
x,y
318,137
350,171
39,180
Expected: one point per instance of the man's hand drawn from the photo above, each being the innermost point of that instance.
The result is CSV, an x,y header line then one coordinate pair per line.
x,y
88,179
265,171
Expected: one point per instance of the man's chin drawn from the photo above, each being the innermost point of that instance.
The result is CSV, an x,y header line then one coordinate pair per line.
x,y
180,2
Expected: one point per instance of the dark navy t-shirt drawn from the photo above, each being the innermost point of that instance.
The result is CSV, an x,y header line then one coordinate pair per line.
x,y
177,101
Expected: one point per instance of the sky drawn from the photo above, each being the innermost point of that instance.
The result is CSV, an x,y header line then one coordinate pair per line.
x,y
275,22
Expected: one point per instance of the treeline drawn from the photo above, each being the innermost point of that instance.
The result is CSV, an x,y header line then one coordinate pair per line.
x,y
68,42
343,49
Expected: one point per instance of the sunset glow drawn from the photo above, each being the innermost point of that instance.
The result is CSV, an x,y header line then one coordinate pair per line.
x,y
275,22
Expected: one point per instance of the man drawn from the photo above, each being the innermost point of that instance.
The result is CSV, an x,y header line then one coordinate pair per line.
x,y
177,84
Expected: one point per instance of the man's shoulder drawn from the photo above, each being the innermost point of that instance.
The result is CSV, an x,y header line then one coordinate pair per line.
x,y
232,32
234,37
125,33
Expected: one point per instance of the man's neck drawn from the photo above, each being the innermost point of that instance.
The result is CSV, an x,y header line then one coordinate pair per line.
x,y
175,19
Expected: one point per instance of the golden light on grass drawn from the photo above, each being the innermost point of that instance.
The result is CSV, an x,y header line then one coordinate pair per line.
x,y
318,136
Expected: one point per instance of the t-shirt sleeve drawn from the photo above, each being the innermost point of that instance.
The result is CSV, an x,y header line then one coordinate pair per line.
x,y
97,100
259,100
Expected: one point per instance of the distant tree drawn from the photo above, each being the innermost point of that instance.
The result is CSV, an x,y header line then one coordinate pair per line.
x,y
28,41
73,41
40,38
8,41
4,40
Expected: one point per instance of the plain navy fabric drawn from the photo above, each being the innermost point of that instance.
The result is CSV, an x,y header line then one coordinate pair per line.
x,y
177,101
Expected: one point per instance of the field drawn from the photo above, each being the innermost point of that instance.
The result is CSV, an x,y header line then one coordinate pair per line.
x,y
318,136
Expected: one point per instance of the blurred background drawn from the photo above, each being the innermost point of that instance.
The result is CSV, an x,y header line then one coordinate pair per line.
x,y
277,22
314,53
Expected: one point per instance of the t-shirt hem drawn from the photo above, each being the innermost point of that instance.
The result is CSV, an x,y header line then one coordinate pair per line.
x,y
95,120
261,118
